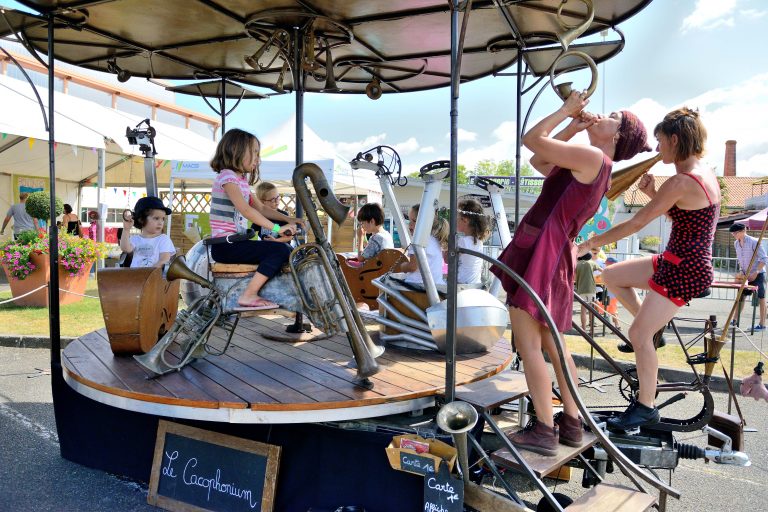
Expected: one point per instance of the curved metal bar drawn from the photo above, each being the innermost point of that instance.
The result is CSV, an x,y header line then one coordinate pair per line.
x,y
401,317
627,466
24,42
31,84
400,297
427,345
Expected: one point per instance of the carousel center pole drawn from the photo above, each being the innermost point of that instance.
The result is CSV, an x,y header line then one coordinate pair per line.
x,y
53,243
298,325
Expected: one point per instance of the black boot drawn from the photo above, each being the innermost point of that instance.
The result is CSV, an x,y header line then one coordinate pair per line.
x,y
637,415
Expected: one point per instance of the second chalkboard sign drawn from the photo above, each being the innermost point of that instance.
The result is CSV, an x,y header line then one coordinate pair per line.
x,y
195,469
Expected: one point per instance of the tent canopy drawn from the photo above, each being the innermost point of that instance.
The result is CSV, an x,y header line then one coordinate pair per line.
x,y
81,128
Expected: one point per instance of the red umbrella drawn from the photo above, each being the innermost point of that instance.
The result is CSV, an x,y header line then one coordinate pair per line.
x,y
757,220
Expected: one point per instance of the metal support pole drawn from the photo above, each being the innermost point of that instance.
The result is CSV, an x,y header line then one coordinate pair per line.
x,y
53,245
223,103
298,325
450,341
518,135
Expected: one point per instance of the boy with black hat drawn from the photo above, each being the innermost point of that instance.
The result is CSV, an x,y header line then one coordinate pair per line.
x,y
745,247
151,248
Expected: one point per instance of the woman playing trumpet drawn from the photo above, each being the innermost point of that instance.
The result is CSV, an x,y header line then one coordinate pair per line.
x,y
543,253
691,198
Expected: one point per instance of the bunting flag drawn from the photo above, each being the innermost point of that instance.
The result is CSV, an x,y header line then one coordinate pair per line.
x,y
31,142
74,150
5,135
55,146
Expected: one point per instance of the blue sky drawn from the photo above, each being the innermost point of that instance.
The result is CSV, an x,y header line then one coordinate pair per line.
x,y
701,53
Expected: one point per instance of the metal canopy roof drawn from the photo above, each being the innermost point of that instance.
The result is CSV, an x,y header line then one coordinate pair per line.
x,y
405,44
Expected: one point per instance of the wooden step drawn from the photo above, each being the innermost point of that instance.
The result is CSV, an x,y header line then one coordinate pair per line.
x,y
612,498
489,393
543,465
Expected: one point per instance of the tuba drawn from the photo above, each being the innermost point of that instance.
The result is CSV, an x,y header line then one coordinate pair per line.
x,y
192,327
363,348
623,179
458,418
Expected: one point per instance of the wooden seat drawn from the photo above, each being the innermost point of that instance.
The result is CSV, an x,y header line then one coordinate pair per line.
x,y
138,305
612,498
233,268
359,278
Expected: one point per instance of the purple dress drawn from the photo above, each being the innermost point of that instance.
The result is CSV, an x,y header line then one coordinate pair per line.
x,y
542,251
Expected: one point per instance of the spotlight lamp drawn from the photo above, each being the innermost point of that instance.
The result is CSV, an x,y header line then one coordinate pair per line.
x,y
123,75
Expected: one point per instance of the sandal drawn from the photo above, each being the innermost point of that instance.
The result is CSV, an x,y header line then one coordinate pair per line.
x,y
255,305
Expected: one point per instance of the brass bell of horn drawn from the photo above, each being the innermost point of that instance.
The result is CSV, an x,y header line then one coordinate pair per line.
x,y
281,78
178,269
330,80
458,418
622,179
373,89
564,90
574,31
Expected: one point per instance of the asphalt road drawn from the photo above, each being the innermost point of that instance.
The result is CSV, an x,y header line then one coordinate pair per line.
x,y
34,477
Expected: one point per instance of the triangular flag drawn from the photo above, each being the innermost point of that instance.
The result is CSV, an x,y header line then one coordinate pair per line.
x,y
55,146
74,150
31,143
5,135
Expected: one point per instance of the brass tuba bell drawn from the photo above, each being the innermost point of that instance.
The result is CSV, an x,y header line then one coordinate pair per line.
x,y
572,32
622,179
458,418
330,80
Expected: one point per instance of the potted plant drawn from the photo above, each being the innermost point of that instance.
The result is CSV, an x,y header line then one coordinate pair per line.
x,y
38,205
26,263
650,243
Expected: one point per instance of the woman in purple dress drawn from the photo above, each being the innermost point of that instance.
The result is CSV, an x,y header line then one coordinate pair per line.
x,y
543,253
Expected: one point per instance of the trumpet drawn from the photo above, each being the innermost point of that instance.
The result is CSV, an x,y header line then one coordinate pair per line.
x,y
622,179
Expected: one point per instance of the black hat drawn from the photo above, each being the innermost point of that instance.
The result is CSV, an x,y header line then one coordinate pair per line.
x,y
736,227
149,203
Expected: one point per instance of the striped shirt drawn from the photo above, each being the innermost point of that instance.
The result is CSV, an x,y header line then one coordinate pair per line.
x,y
225,219
744,254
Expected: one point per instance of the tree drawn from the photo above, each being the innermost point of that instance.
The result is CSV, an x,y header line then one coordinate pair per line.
x,y
723,193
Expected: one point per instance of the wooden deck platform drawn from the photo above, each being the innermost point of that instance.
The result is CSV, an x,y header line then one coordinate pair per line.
x,y
260,380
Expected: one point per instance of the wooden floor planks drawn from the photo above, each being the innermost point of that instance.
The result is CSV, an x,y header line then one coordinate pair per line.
x,y
260,373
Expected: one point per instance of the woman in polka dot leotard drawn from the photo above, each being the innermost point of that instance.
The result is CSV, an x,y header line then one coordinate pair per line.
x,y
691,198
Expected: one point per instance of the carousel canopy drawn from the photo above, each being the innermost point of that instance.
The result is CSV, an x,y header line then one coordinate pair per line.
x,y
342,47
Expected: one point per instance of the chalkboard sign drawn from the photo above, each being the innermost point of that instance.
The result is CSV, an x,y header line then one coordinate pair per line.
x,y
442,492
199,470
416,463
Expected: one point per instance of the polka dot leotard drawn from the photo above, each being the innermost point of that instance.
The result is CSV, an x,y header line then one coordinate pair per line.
x,y
684,271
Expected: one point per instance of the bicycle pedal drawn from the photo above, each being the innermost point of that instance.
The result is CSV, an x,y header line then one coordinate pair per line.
x,y
701,359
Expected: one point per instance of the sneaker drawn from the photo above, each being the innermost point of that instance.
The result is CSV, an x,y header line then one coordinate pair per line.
x,y
658,342
570,429
733,323
536,437
637,415
759,327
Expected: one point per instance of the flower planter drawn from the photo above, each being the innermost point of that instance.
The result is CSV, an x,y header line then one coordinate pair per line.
x,y
40,276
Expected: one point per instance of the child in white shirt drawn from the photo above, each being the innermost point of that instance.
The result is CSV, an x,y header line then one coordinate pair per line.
x,y
151,248
434,250
474,228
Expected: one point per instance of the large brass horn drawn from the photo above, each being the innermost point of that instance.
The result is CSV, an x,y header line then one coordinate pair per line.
x,y
363,348
281,39
458,418
574,31
623,179
193,325
564,90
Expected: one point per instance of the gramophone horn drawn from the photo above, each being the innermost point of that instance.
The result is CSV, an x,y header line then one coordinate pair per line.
x,y
622,179
330,80
458,418
564,90
373,89
281,78
574,31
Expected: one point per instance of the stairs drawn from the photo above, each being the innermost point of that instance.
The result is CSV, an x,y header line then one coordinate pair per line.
x,y
507,386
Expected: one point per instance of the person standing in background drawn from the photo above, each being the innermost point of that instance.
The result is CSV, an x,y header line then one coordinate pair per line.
x,y
745,246
585,283
22,221
70,221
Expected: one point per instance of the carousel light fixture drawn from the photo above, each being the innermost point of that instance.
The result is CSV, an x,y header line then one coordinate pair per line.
x,y
123,75
373,89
